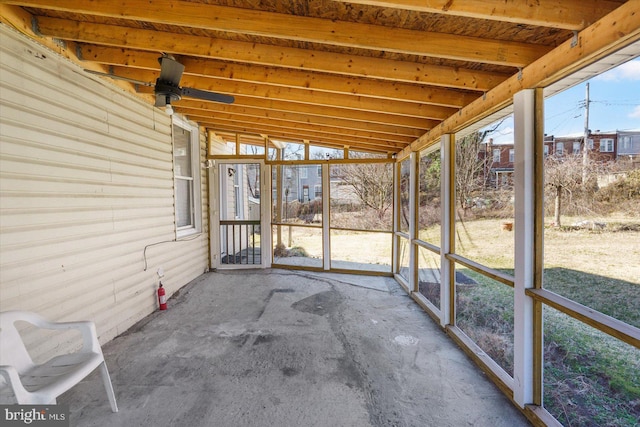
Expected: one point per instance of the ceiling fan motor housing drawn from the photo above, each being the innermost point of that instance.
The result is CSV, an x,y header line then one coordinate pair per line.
x,y
169,90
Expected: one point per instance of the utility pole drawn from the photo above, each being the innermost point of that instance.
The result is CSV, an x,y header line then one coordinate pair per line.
x,y
585,145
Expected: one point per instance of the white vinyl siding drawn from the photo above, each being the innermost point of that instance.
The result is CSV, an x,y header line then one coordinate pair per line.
x,y
86,196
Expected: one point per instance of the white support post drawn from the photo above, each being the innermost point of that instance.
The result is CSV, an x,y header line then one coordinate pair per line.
x,y
266,235
326,217
413,221
447,222
524,221
214,216
395,269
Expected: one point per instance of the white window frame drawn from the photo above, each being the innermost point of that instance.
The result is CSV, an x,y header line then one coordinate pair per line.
x,y
590,143
607,144
576,147
195,180
512,155
496,155
559,149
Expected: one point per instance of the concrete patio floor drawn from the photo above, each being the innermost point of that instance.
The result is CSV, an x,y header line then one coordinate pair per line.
x,y
285,348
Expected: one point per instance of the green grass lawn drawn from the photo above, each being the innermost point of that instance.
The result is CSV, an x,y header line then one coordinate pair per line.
x,y
590,378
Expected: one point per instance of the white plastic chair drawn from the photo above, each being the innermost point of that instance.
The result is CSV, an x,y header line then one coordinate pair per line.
x,y
42,384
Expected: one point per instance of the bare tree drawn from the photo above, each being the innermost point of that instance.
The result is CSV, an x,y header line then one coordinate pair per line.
x,y
469,168
564,178
372,183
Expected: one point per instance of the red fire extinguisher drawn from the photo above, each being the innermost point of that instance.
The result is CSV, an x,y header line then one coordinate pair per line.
x,y
162,299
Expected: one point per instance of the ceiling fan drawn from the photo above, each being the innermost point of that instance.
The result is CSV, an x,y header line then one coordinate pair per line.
x,y
166,87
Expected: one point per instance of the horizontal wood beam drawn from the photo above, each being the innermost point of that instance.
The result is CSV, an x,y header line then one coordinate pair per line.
x,y
613,32
303,59
303,79
612,326
565,14
250,113
313,111
305,96
304,132
321,140
198,115
306,29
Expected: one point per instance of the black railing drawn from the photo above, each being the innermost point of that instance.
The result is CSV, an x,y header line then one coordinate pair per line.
x,y
240,242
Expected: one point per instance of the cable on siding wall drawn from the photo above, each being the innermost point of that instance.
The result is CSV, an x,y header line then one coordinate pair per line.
x,y
144,252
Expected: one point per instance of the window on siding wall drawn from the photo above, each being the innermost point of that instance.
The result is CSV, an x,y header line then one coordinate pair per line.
x,y
186,161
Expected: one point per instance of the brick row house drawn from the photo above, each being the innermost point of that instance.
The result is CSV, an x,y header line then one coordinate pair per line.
x,y
618,146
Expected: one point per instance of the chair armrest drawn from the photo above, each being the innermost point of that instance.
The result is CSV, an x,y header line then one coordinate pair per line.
x,y
89,335
87,329
11,376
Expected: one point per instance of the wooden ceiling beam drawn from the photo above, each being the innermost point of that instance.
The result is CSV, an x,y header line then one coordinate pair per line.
x,y
257,113
313,111
200,115
294,78
306,29
315,139
564,14
311,97
260,128
329,62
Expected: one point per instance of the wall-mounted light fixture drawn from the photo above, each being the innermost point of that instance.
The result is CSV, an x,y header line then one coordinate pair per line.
x,y
231,172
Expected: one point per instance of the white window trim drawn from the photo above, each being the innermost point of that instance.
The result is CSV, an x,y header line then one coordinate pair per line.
x,y
576,147
196,195
607,144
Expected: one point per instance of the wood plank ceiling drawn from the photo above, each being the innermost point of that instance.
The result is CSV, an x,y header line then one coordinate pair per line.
x,y
371,75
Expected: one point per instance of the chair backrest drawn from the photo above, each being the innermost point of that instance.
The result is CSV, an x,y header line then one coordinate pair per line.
x,y
12,349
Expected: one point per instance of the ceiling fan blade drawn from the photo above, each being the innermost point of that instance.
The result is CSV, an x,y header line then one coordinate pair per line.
x,y
207,96
170,70
117,77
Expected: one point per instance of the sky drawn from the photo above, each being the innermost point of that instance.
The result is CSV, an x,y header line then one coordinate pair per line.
x,y
614,105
